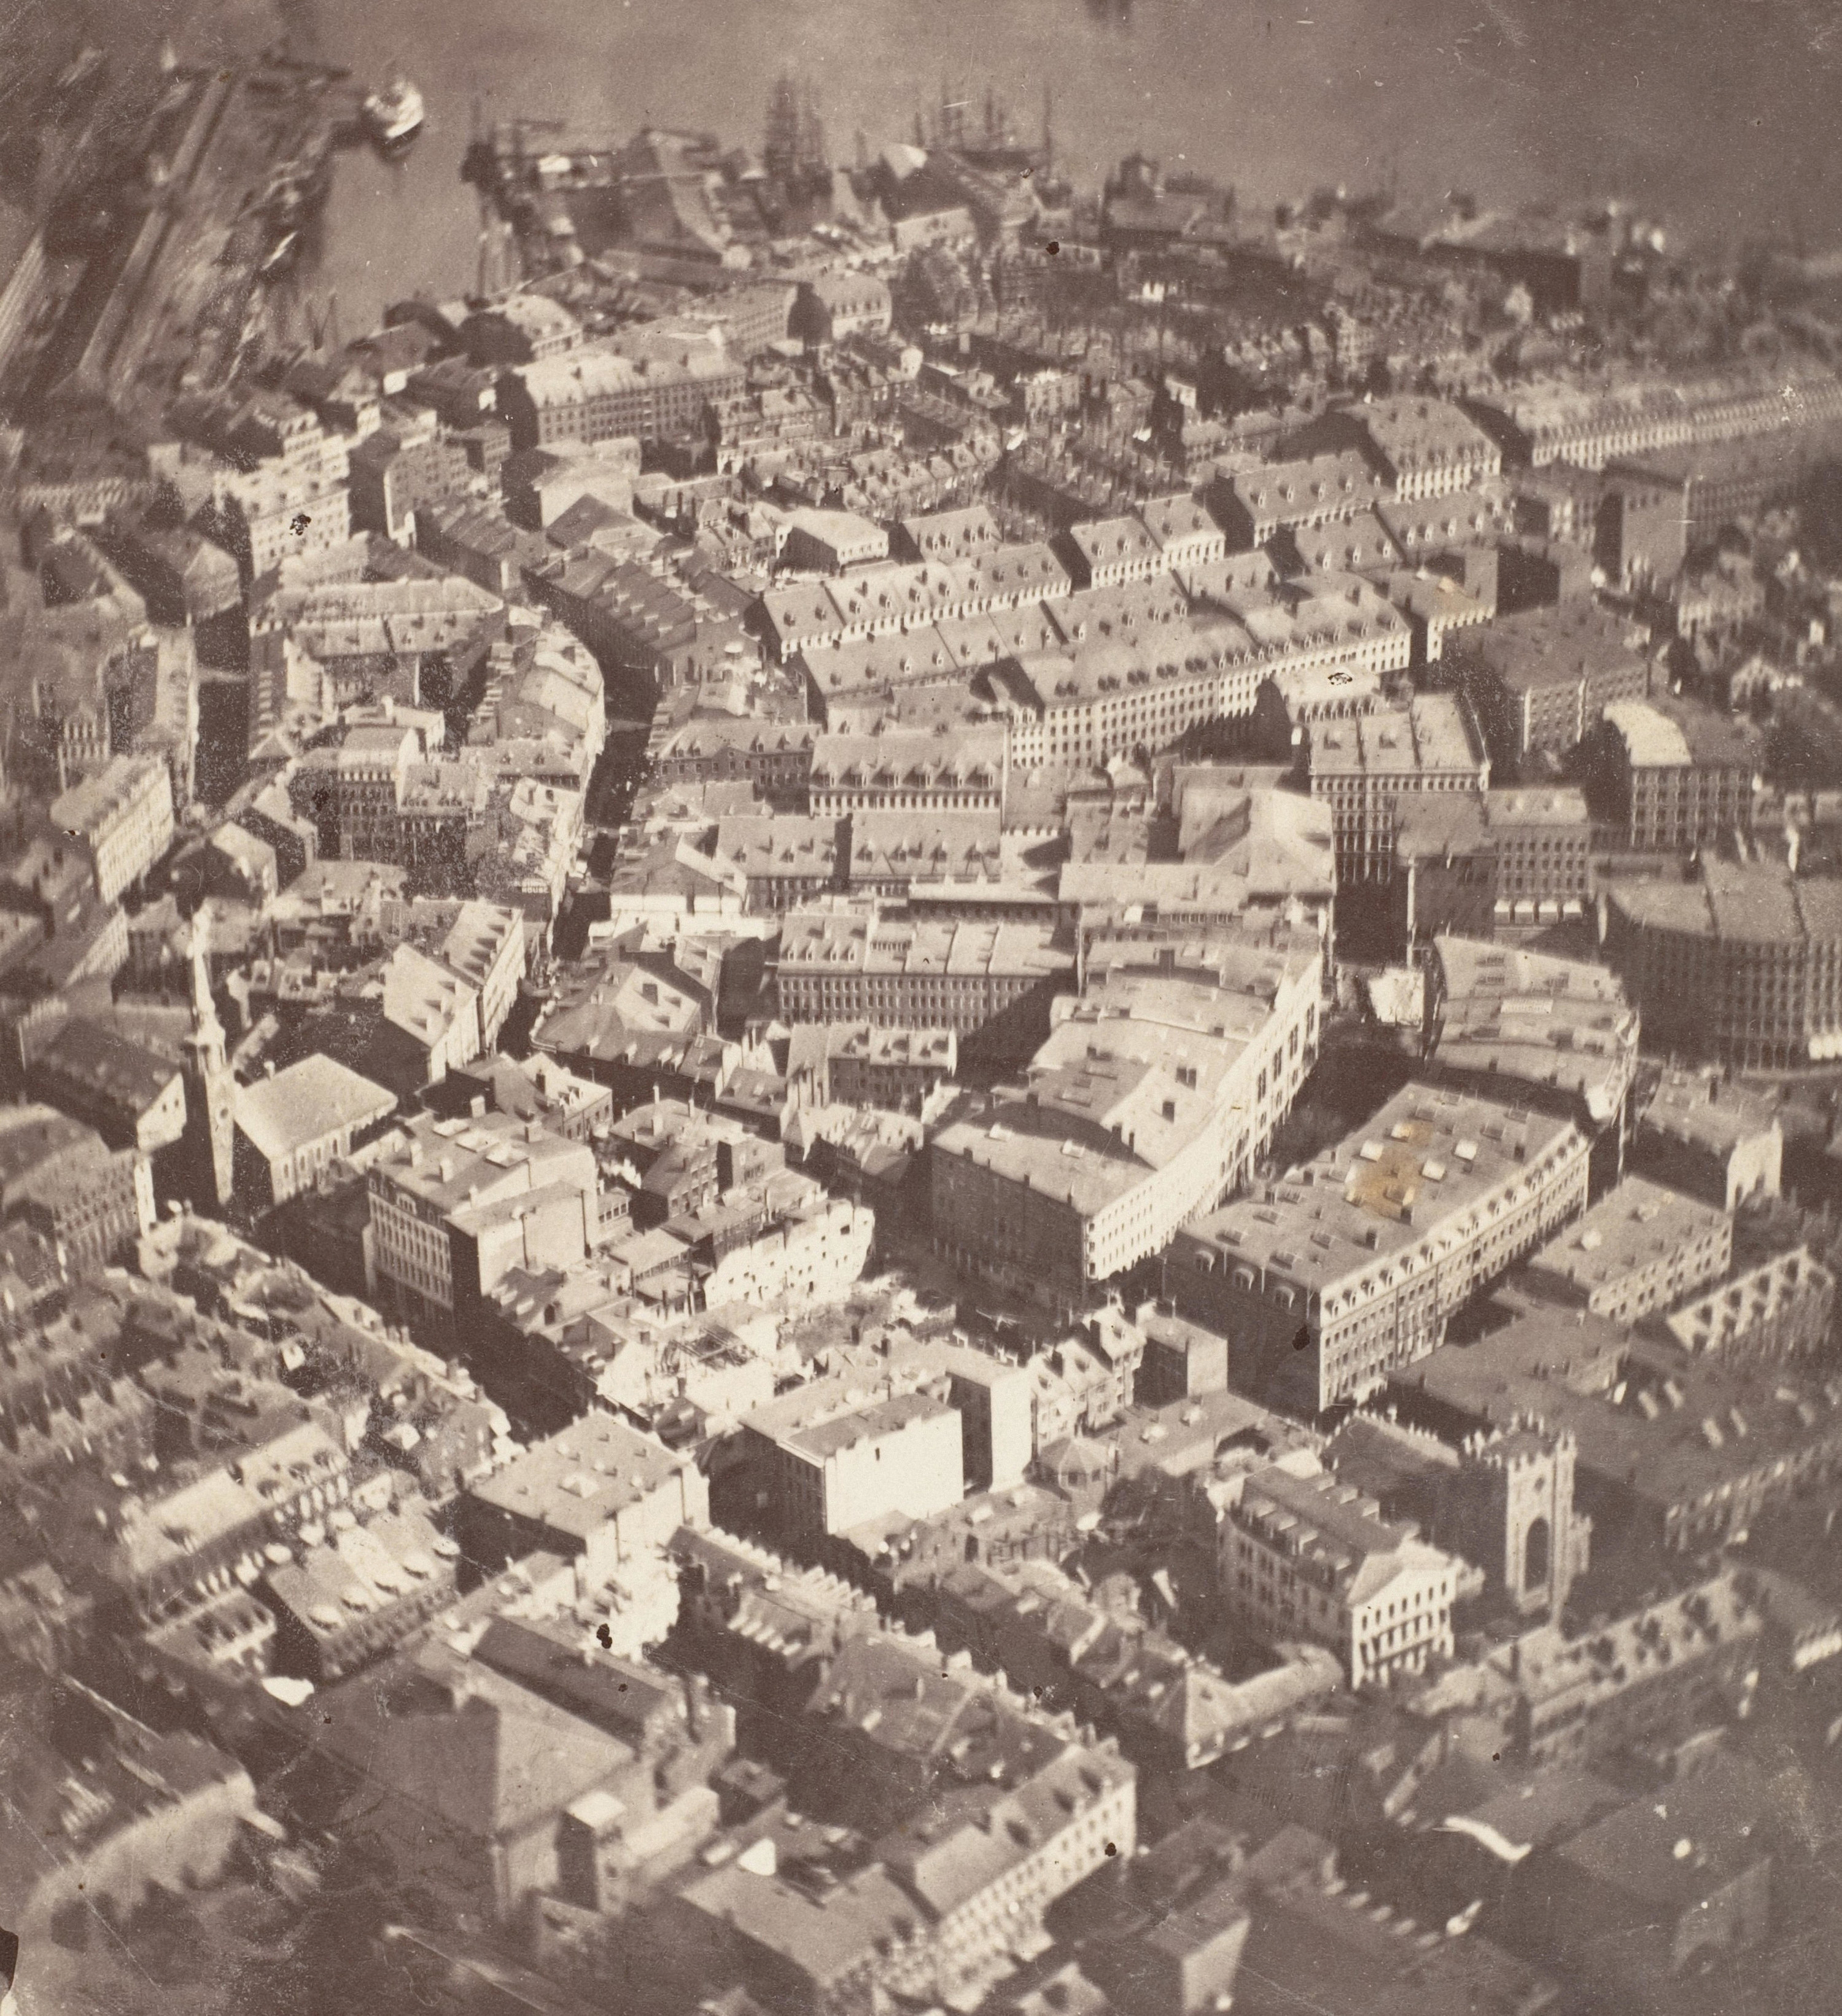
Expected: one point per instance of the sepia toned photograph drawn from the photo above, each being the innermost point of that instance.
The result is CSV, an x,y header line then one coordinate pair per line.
x,y
920,1008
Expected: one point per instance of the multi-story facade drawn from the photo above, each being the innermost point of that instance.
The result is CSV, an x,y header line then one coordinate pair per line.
x,y
893,599
1152,1097
486,948
1578,1700
861,966
805,1256
590,395
278,484
353,792
1311,1558
122,818
784,861
1426,448
1743,964
1255,504
866,1065
831,306
600,1494
908,771
1540,681
1591,425
1718,1140
1542,838
1107,553
1673,778
1769,1315
1640,1248
831,1458
1363,768
446,1167
1348,1267
62,1177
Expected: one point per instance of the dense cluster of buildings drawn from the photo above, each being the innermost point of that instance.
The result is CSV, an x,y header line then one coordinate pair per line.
x,y
1060,1298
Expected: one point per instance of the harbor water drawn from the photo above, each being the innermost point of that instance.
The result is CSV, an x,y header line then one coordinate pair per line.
x,y
1719,113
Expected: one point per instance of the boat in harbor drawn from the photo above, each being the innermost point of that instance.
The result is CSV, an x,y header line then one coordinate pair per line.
x,y
393,116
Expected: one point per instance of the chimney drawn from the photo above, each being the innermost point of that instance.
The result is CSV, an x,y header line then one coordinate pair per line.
x,y
477,1106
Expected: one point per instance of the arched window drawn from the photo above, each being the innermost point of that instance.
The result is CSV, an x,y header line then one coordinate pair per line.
x,y
1536,1547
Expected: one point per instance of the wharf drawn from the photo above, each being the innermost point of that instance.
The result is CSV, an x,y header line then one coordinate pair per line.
x,y
232,161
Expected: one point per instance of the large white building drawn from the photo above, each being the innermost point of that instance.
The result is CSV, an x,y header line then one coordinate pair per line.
x,y
1156,1090
122,818
450,1170
830,1457
1305,1556
1347,1268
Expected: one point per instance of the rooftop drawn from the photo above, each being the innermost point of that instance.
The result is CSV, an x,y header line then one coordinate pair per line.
x,y
1428,1158
1632,1227
310,1100
1430,735
577,1480
1543,1021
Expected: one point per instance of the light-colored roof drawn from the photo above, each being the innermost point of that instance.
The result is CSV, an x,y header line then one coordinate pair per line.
x,y
1630,1229
1429,1157
309,1101
1545,1021
1652,740
579,1480
1431,736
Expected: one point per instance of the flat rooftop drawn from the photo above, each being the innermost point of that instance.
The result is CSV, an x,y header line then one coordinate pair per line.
x,y
1633,1226
577,1480
1427,1157
1429,737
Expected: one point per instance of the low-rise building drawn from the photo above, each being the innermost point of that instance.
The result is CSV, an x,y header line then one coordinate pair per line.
x,y
357,1595
599,1494
1254,504
866,1065
1770,1314
1560,1027
1425,448
1721,1142
1653,1677
133,1097
295,1123
1310,1557
1658,1888
1640,1248
776,757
